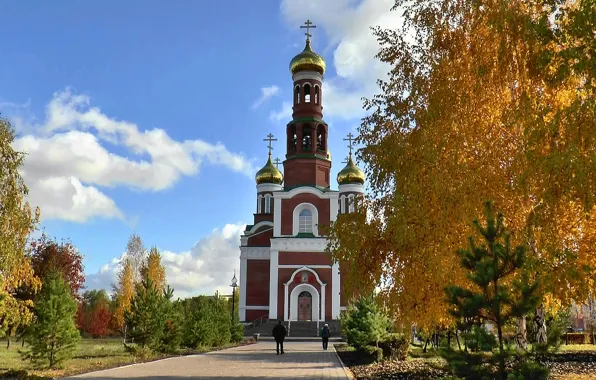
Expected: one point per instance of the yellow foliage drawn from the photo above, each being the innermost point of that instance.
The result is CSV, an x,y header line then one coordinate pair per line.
x,y
153,269
472,112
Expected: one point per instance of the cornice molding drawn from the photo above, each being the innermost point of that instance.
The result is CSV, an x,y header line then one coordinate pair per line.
x,y
260,253
299,244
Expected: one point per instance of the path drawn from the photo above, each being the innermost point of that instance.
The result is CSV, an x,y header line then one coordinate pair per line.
x,y
302,360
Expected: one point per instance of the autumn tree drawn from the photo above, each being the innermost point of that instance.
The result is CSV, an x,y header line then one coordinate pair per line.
x,y
136,253
154,270
17,221
93,314
124,291
490,99
49,257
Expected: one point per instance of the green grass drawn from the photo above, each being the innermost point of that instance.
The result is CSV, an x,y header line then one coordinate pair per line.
x,y
92,355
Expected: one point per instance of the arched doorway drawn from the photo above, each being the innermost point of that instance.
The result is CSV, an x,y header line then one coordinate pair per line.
x,y
304,306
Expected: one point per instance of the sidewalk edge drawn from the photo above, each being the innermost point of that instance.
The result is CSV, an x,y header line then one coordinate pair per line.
x,y
347,370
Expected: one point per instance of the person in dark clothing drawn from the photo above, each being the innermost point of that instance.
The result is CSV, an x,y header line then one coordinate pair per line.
x,y
279,333
325,334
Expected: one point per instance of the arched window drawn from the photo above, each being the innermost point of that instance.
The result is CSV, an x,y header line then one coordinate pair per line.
x,y
351,203
297,95
306,138
267,204
342,204
305,221
316,94
259,203
307,93
321,137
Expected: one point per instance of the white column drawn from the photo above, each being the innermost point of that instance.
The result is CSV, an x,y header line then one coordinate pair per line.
x,y
335,290
276,217
323,288
333,208
273,283
286,304
242,306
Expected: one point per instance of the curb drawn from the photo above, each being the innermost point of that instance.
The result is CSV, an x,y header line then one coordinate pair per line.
x,y
347,370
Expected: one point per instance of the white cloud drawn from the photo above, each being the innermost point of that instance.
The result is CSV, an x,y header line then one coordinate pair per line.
x,y
266,93
284,114
66,160
346,24
208,266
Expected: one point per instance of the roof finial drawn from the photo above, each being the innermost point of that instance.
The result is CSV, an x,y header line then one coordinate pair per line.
x,y
277,161
307,25
350,141
270,138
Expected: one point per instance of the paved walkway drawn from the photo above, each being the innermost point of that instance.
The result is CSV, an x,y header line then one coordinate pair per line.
x,y
302,360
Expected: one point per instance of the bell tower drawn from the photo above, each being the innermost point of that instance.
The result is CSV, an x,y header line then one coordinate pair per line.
x,y
308,162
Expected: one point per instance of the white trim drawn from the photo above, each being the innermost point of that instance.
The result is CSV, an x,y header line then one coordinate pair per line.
x,y
301,269
333,209
257,307
273,283
292,266
276,216
343,308
243,274
286,306
351,188
342,202
307,190
294,301
267,203
312,75
296,218
336,289
259,206
255,253
257,226
292,244
323,292
268,187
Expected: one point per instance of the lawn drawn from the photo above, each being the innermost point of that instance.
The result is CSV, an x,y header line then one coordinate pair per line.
x,y
92,355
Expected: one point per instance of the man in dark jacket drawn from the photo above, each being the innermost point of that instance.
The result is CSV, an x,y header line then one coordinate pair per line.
x,y
325,334
279,333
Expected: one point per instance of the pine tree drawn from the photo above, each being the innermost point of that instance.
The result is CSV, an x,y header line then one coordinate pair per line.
x,y
145,319
364,323
499,292
53,336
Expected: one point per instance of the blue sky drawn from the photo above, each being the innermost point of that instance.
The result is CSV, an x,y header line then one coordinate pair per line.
x,y
150,117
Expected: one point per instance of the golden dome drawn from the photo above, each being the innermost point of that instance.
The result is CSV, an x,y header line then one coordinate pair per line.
x,y
269,174
350,174
308,60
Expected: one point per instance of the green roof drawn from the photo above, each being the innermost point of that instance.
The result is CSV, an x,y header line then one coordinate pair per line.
x,y
305,235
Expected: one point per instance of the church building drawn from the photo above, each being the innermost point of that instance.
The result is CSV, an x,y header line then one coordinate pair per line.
x,y
285,272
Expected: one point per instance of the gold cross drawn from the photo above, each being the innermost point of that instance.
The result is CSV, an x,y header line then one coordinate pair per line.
x,y
309,25
350,140
277,162
345,161
270,138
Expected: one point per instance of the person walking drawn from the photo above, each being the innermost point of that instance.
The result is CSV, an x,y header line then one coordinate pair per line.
x,y
279,334
325,334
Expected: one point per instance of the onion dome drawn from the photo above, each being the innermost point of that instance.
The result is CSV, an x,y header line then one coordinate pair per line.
x,y
269,174
308,60
350,174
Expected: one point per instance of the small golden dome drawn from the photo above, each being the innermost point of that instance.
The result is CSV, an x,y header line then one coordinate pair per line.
x,y
269,174
350,174
308,60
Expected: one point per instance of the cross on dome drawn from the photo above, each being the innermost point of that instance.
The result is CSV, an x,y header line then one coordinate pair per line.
x,y
270,138
350,141
277,161
307,25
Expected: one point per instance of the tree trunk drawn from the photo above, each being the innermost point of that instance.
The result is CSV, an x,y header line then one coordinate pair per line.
x,y
8,342
425,344
457,339
520,336
540,324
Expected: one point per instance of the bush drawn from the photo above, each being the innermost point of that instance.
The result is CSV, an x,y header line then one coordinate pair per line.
x,y
376,353
237,331
395,347
529,371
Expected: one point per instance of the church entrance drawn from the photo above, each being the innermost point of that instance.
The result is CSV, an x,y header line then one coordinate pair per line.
x,y
304,306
